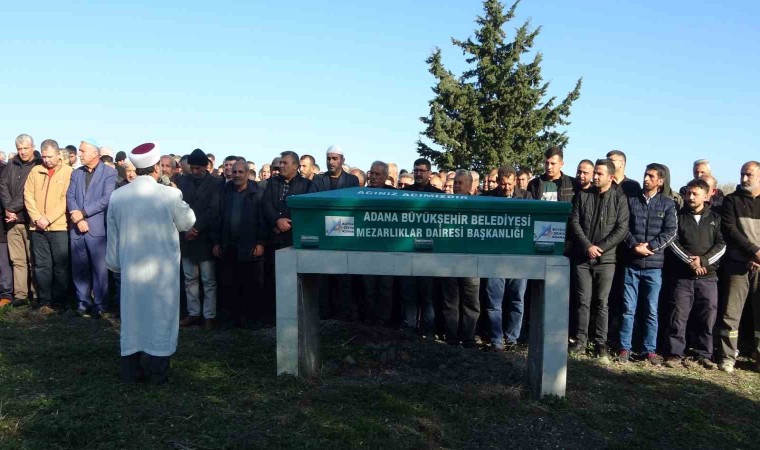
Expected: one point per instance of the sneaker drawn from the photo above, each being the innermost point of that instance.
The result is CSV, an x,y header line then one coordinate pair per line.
x,y
577,348
510,346
624,356
82,313
5,302
706,363
727,366
673,362
654,359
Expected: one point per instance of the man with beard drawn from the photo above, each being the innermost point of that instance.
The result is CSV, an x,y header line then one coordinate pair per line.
x,y
598,223
144,221
652,228
307,167
741,266
585,174
335,178
201,191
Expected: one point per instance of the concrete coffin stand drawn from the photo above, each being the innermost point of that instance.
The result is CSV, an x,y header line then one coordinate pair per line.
x,y
298,305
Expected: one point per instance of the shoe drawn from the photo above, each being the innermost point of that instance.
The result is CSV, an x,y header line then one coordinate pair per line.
x,y
189,320
727,366
102,315
46,310
18,302
706,363
82,313
624,356
5,302
209,324
602,353
654,359
510,346
577,348
673,362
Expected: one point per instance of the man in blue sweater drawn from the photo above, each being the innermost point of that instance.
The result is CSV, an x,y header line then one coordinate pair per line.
x,y
653,226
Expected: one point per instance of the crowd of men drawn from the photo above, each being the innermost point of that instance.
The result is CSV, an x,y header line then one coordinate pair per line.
x,y
654,271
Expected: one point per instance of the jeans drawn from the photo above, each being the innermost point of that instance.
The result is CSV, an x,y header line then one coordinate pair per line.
x,y
593,283
698,299
51,265
640,285
417,300
515,290
206,271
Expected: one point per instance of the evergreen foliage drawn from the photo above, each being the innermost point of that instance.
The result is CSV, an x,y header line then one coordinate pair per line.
x,y
496,112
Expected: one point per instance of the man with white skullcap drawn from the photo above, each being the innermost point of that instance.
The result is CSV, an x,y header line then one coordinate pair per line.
x,y
335,178
87,199
144,221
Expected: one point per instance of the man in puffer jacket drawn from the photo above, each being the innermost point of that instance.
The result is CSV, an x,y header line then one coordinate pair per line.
x,y
653,226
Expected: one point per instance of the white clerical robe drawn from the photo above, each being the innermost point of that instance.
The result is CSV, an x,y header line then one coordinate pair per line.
x,y
144,221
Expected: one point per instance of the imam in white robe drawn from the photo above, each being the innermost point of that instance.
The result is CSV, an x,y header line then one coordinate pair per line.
x,y
144,220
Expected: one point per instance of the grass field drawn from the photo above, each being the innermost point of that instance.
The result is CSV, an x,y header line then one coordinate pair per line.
x,y
59,389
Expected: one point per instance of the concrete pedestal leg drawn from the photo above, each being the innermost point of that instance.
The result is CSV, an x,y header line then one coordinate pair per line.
x,y
547,354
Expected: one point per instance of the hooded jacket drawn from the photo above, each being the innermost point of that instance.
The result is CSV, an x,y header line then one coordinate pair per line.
x,y
740,223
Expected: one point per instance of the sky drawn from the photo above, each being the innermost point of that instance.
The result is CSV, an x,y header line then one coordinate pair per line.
x,y
667,82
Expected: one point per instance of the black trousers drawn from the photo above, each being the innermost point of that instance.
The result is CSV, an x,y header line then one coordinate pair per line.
x,y
140,366
339,305
698,299
378,297
51,266
241,288
592,283
461,306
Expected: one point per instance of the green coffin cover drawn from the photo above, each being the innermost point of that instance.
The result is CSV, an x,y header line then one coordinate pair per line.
x,y
395,220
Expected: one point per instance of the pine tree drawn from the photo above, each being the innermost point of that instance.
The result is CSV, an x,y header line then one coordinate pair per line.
x,y
495,112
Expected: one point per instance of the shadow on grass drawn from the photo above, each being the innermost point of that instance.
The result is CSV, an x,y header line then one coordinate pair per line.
x,y
59,389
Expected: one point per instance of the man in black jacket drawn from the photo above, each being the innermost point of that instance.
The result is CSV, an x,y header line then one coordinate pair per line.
x,y
6,272
12,197
417,292
239,244
335,178
201,191
741,266
277,214
598,223
506,187
553,185
691,263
